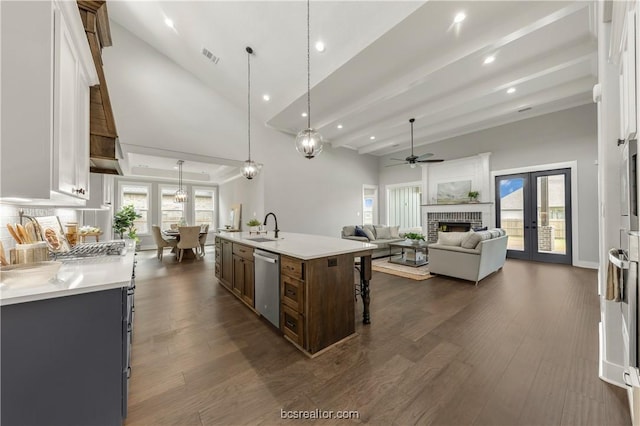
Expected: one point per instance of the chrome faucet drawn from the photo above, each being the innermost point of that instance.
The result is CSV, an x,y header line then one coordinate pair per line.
x,y
264,222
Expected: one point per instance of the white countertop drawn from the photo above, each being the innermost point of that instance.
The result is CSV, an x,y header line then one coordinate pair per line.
x,y
301,246
75,277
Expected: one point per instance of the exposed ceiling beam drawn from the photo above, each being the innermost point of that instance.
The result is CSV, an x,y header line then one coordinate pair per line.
x,y
573,88
538,68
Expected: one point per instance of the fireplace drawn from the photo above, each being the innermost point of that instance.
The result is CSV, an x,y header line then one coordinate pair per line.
x,y
454,226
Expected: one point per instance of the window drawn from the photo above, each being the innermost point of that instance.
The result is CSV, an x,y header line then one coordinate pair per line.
x,y
403,205
204,207
170,211
138,196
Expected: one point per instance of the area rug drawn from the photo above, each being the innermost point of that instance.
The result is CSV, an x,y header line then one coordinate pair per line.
x,y
419,274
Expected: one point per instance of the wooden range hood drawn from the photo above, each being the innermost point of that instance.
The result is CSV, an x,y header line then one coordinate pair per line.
x,y
104,150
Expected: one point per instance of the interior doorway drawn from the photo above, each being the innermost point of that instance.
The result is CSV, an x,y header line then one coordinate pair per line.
x,y
369,204
534,208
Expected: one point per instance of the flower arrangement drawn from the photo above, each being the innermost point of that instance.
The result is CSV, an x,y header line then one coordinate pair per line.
x,y
473,195
254,222
414,236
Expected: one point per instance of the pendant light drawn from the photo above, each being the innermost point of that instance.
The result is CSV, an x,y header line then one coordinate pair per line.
x,y
250,169
309,141
181,194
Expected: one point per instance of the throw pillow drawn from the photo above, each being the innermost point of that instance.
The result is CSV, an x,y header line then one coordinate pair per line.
x,y
395,231
368,233
471,240
371,229
382,232
452,238
349,231
359,232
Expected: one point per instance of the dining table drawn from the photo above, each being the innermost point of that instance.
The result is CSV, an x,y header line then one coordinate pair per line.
x,y
174,233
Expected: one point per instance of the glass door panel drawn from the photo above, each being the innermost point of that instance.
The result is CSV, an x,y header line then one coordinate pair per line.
x,y
512,211
551,214
535,211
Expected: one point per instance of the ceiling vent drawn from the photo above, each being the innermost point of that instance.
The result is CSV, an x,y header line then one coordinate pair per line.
x,y
209,55
524,109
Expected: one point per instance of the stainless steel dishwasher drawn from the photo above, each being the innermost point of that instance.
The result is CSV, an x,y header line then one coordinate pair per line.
x,y
267,285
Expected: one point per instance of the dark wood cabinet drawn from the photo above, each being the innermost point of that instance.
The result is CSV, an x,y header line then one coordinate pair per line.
x,y
243,273
317,296
317,307
226,262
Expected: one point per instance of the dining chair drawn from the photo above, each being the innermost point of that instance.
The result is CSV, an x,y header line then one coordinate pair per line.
x,y
161,243
189,239
204,233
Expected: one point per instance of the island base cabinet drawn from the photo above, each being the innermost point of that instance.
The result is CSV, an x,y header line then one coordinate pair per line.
x,y
293,325
317,300
330,300
64,360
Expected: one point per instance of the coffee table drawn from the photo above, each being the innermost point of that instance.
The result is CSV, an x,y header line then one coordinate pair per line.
x,y
412,254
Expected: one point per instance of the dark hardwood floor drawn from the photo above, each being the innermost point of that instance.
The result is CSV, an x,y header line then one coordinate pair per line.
x,y
519,349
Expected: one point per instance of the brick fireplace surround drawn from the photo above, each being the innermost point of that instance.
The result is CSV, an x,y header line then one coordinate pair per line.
x,y
477,214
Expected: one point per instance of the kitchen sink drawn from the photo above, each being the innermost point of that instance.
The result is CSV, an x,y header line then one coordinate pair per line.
x,y
261,239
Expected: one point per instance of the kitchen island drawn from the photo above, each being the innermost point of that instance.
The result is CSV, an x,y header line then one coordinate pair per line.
x,y
316,290
65,344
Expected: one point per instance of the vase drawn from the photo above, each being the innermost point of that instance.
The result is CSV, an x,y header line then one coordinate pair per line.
x,y
254,229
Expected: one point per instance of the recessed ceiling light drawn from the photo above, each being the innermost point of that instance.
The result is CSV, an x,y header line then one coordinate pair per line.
x,y
511,90
339,126
459,18
175,167
304,114
489,59
320,46
168,22
266,97
372,137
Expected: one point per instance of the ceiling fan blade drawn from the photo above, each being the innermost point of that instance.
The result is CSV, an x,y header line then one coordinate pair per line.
x,y
397,159
399,164
426,155
431,161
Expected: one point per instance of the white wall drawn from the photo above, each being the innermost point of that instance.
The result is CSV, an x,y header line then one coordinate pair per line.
x,y
317,196
248,193
158,104
557,137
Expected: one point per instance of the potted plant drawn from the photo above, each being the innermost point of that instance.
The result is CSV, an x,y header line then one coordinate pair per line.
x,y
254,225
123,222
473,196
414,237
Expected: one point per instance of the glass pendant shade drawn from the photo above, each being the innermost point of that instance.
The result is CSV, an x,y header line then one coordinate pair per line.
x,y
309,143
250,169
181,196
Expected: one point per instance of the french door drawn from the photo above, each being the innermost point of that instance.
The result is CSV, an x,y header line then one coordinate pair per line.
x,y
535,210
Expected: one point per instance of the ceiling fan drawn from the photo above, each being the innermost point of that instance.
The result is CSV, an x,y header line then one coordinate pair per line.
x,y
414,159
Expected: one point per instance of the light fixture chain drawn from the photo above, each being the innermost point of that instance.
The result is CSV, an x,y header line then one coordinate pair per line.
x,y
308,67
249,101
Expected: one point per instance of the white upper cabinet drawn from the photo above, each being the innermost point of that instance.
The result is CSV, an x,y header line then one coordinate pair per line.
x,y
47,69
624,51
101,191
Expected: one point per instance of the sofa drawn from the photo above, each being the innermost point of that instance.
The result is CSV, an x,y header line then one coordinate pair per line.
x,y
380,235
468,255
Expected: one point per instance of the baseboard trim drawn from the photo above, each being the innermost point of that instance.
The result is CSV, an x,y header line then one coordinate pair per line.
x,y
586,264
